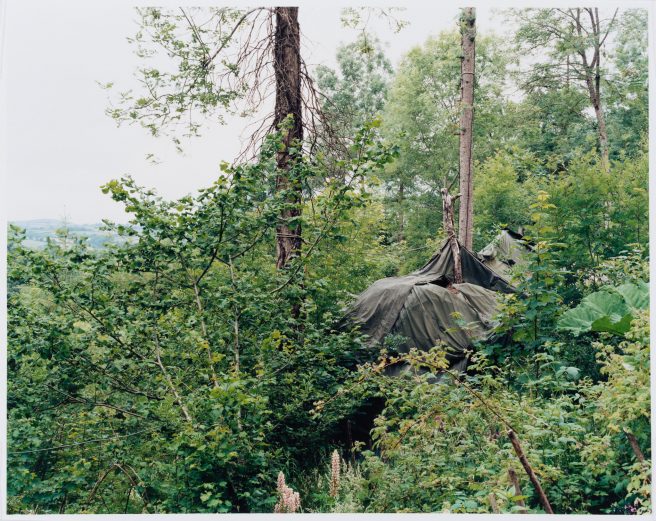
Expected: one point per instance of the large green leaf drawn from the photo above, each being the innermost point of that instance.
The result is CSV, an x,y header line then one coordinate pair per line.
x,y
636,296
600,311
606,324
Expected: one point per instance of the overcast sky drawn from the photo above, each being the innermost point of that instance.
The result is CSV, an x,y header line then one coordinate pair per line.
x,y
61,147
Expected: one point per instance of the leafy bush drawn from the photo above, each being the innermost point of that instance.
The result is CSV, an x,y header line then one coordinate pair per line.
x,y
168,372
444,448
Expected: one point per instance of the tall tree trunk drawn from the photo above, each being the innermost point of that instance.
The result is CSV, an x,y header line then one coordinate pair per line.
x,y
287,65
592,70
401,199
599,113
595,98
467,68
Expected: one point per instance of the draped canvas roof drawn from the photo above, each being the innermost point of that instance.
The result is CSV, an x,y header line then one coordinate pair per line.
x,y
425,307
508,249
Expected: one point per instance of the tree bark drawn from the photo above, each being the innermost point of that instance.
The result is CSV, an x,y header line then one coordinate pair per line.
x,y
595,98
449,229
401,213
592,72
593,82
493,503
287,66
467,69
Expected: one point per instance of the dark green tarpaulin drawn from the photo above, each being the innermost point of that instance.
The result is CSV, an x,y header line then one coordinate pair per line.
x,y
422,306
507,251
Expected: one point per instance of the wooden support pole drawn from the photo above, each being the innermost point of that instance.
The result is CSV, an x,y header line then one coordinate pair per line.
x,y
529,471
518,489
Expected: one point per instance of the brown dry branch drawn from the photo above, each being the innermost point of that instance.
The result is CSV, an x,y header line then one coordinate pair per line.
x,y
529,471
518,489
493,503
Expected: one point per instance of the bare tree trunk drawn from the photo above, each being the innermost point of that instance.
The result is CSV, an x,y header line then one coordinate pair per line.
x,y
595,98
592,69
493,503
593,82
450,230
401,214
467,68
287,65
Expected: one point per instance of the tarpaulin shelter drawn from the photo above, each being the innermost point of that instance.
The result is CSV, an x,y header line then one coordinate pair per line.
x,y
422,307
508,249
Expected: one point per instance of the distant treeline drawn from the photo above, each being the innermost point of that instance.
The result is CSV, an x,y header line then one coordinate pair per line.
x,y
38,231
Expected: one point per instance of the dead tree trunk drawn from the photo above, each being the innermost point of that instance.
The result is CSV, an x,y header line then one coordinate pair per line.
x,y
467,68
287,65
450,230
401,199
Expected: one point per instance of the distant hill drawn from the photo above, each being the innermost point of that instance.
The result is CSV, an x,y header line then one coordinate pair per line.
x,y
38,231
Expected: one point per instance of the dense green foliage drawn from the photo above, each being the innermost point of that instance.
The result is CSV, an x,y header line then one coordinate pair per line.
x,y
444,447
171,371
174,344
441,448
